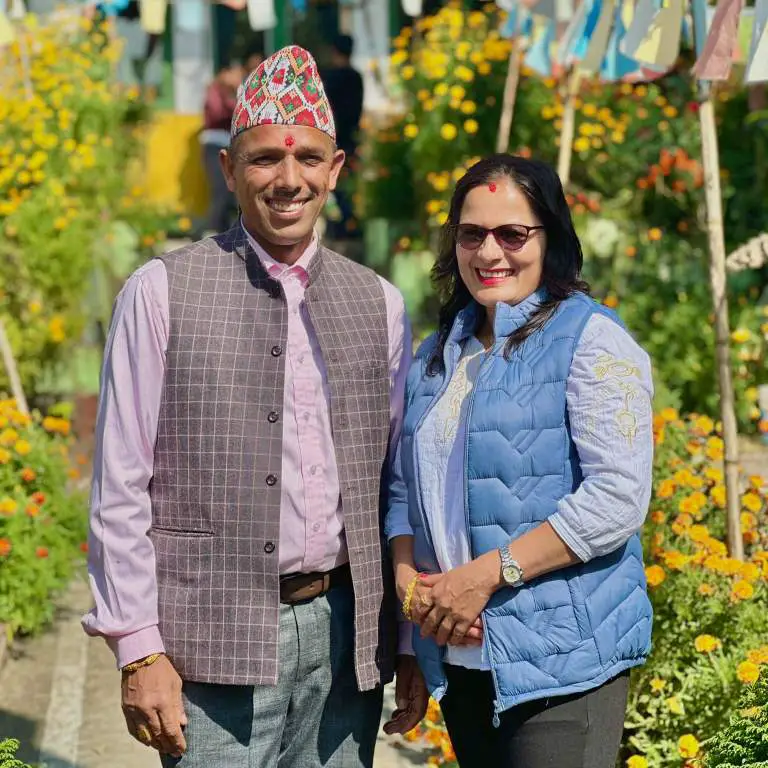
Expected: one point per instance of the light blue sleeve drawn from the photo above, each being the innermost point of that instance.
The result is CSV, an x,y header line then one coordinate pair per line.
x,y
396,522
609,396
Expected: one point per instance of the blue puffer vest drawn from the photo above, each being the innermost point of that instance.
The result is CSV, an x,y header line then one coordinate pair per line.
x,y
568,631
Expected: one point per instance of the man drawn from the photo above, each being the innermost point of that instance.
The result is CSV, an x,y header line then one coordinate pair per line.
x,y
220,99
251,391
344,87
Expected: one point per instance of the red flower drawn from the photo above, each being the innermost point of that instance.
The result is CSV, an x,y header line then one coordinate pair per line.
x,y
38,497
42,552
84,546
5,547
693,106
28,474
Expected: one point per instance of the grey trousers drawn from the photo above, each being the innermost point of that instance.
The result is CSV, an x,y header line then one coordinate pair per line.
x,y
314,717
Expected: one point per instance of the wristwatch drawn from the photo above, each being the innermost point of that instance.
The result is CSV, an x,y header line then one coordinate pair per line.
x,y
511,571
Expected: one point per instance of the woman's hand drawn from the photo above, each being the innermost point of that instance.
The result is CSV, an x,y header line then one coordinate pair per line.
x,y
458,598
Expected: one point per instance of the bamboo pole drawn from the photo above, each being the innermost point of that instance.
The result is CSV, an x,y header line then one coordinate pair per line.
x,y
510,96
13,372
717,278
568,128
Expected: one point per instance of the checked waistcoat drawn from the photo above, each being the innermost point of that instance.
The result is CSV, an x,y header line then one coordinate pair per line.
x,y
216,485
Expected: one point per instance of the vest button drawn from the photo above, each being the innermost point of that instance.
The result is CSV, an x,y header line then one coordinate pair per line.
x,y
269,547
273,416
271,479
277,350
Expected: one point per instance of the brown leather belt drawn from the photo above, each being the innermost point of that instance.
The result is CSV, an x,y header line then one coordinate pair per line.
x,y
305,586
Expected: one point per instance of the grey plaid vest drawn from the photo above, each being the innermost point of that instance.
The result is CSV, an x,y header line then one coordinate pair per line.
x,y
216,485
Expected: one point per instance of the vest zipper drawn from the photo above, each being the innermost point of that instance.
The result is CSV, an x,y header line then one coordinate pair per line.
x,y
486,645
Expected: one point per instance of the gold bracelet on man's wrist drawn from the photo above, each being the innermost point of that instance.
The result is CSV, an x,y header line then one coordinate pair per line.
x,y
145,662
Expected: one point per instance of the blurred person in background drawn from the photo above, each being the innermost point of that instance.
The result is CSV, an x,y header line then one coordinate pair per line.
x,y
344,86
220,100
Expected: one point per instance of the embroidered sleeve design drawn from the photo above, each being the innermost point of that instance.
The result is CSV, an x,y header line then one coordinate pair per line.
x,y
623,375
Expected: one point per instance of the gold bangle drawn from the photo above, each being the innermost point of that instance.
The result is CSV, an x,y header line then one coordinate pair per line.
x,y
409,596
145,662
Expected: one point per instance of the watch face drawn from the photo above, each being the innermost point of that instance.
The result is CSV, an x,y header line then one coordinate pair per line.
x,y
511,574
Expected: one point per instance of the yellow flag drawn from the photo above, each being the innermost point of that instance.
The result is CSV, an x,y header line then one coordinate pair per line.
x,y
7,32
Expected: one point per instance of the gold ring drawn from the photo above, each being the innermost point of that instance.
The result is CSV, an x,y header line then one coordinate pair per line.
x,y
143,734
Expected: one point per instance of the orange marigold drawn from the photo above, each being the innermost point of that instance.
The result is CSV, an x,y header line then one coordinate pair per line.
x,y
706,590
655,575
706,643
5,547
742,590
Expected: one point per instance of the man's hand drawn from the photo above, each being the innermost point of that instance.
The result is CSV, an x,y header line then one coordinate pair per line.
x,y
411,697
152,700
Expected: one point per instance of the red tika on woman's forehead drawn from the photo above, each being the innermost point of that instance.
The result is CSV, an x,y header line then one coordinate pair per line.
x,y
491,187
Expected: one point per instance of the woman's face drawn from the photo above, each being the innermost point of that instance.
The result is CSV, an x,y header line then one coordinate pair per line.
x,y
506,269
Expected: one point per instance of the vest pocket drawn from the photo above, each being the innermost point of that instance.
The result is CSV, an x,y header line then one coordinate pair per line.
x,y
579,604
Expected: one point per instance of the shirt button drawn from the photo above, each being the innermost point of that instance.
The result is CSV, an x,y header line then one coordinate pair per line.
x,y
313,469
273,416
316,527
269,547
271,479
277,350
306,415
301,358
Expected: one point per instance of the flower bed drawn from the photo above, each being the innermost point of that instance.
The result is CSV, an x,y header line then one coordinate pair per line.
x,y
710,634
636,192
72,221
43,520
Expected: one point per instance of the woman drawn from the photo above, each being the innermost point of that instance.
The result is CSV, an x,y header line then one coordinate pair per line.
x,y
522,478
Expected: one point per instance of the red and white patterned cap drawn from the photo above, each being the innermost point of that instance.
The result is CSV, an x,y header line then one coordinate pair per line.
x,y
285,89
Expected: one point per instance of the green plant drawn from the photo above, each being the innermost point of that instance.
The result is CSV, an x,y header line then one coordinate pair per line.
x,y
8,749
43,520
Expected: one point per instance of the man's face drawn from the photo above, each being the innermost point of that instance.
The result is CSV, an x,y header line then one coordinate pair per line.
x,y
281,177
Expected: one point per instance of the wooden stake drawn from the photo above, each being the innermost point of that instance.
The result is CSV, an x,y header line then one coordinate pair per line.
x,y
717,278
13,372
510,95
569,126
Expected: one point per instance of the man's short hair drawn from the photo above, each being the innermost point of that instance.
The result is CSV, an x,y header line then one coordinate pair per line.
x,y
344,44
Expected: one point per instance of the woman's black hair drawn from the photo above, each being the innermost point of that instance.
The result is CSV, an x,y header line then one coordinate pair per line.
x,y
561,272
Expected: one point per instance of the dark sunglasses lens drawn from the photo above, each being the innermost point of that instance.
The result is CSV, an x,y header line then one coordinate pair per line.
x,y
512,238
470,236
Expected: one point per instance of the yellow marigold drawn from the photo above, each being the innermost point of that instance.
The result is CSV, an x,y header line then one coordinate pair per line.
x,y
749,572
675,560
658,517
741,336
699,533
742,590
706,590
706,643
8,506
759,655
581,144
666,489
714,474
637,761
717,495
748,672
411,131
471,126
449,131
658,685
703,425
5,456
655,575
752,502
675,706
23,447
8,437
748,521
757,482
688,746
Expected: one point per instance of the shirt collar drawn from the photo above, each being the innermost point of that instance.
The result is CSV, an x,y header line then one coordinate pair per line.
x,y
277,269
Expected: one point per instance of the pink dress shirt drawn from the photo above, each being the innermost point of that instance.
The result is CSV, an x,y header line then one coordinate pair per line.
x,y
121,559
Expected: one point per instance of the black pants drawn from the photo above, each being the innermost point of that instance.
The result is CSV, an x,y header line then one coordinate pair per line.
x,y
579,731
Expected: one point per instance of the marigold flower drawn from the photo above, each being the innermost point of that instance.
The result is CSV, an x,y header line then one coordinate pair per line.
x,y
658,685
411,131
741,336
5,547
38,497
758,655
658,517
28,475
675,560
5,456
654,234
752,502
32,510
23,448
637,761
655,575
449,131
42,552
688,746
666,489
749,572
742,590
706,643
706,590
748,672
675,706
717,494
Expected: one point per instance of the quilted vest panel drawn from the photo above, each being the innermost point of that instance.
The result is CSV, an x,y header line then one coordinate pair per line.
x,y
567,631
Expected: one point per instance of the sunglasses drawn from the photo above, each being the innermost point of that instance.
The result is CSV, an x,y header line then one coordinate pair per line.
x,y
510,237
